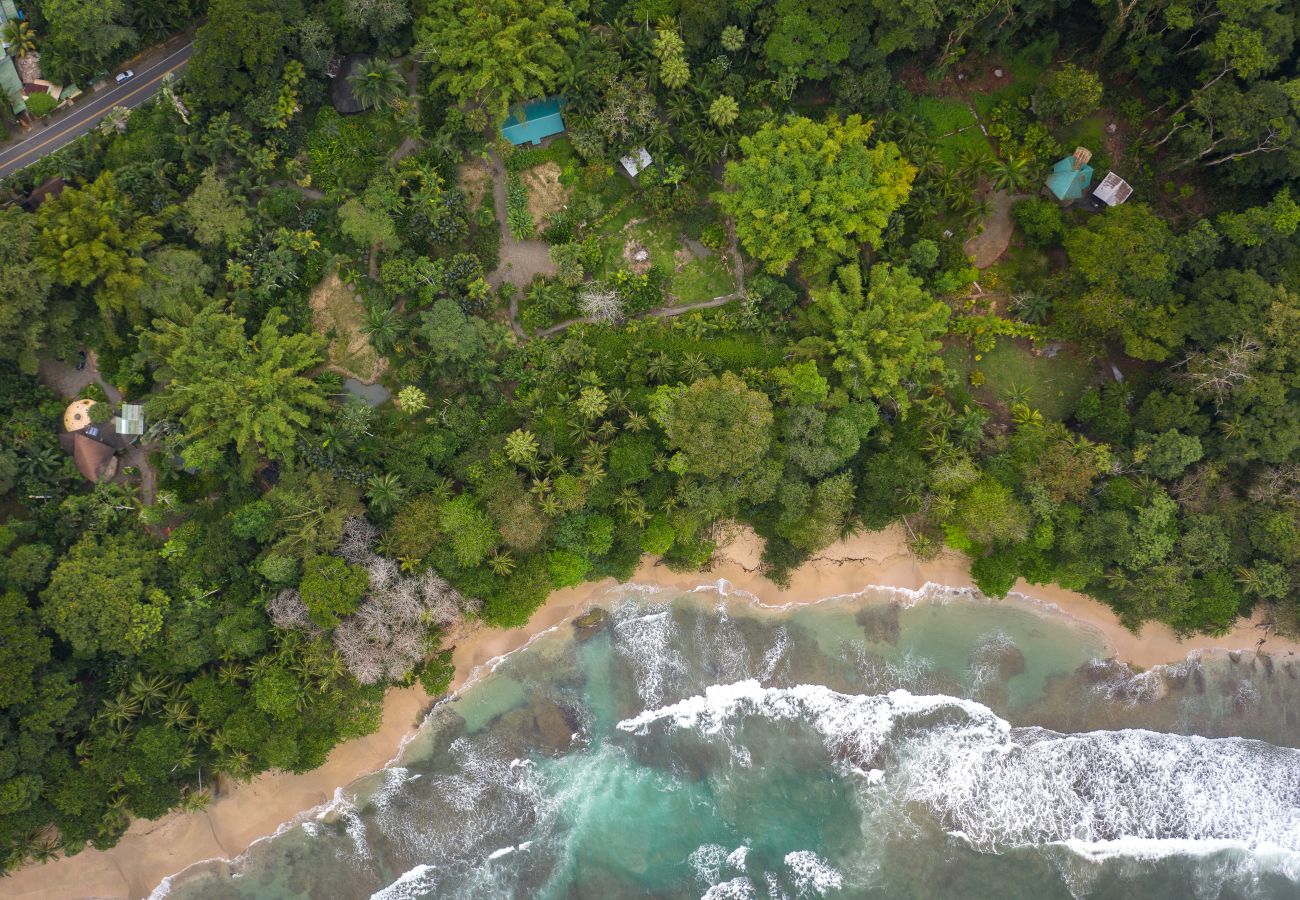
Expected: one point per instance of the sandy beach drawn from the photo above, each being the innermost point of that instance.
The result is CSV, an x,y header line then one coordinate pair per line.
x,y
153,850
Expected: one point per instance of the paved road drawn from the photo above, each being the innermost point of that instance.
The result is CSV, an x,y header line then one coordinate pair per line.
x,y
88,110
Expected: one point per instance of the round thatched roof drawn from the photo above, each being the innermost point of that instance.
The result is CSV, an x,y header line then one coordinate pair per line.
x,y
77,415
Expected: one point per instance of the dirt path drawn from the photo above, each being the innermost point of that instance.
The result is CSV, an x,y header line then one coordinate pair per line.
x,y
521,261
988,246
68,381
662,312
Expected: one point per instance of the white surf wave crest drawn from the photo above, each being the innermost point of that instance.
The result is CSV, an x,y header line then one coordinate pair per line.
x,y
1101,794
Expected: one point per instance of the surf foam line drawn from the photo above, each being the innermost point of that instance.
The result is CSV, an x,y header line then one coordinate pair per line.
x,y
1102,794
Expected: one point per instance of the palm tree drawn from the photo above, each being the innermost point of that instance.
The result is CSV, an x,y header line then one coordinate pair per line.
x,y
660,367
383,327
20,37
1011,176
694,367
150,690
501,562
377,82
384,492
1031,306
973,162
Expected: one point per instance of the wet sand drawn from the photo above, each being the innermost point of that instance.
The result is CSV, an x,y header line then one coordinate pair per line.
x,y
243,813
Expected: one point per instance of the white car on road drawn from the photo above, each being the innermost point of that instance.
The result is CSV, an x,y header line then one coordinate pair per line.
x,y
124,76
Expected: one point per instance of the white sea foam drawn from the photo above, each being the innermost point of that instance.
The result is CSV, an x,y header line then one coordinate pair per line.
x,y
646,639
994,786
740,888
811,873
413,883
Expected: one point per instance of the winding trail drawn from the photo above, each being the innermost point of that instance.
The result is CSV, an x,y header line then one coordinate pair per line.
x,y
662,312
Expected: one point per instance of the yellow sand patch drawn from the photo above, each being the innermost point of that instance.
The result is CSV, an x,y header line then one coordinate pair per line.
x,y
474,179
337,313
545,193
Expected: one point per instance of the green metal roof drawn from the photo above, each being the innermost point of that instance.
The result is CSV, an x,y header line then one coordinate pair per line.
x,y
11,84
540,119
1068,183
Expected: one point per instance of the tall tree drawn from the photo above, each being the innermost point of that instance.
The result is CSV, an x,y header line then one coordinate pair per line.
x,y
81,38
29,319
377,82
241,50
497,52
813,188
1125,263
93,238
880,339
225,388
718,425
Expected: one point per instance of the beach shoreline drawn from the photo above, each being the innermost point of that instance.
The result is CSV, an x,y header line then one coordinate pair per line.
x,y
152,852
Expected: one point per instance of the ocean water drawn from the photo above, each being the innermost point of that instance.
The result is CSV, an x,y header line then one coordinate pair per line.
x,y
700,746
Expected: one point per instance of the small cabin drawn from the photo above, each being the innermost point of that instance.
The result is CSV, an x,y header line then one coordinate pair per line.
x,y
1071,176
534,123
1113,190
636,162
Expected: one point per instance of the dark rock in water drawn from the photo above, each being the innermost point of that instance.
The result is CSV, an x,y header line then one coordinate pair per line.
x,y
1234,657
591,623
1003,657
1267,662
880,623
542,726
1289,669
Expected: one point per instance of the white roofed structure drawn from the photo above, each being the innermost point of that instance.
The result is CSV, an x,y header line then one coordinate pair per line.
x,y
636,161
1113,190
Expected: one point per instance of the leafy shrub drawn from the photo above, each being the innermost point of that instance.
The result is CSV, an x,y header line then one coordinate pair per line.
x,y
1068,93
518,218
1039,220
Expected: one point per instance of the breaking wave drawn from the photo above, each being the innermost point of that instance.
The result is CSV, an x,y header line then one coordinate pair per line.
x,y
1101,794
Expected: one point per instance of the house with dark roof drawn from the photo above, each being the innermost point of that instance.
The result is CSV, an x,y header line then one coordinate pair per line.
x,y
93,446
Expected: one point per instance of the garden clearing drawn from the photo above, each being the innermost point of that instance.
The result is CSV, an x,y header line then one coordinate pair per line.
x,y
338,314
546,195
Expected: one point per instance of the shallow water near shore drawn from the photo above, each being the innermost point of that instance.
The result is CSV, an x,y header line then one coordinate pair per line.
x,y
697,745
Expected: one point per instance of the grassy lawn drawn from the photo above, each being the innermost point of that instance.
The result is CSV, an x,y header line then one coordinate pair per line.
x,y
941,114
1023,267
1052,385
951,117
691,279
1025,69
1089,132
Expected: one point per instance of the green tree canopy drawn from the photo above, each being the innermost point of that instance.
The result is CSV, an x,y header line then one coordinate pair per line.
x,y
101,596
813,188
497,52
882,339
29,319
332,589
1125,262
718,425
225,388
93,238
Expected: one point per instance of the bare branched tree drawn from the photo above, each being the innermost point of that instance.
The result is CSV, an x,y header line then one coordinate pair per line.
x,y
287,611
393,629
600,303
1276,484
1220,372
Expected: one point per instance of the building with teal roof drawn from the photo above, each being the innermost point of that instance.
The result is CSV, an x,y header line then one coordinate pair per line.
x,y
536,122
1070,177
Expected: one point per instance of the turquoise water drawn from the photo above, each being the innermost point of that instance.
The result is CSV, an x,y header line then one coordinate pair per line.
x,y
699,746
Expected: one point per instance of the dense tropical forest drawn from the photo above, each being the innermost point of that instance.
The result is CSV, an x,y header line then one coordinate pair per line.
x,y
398,374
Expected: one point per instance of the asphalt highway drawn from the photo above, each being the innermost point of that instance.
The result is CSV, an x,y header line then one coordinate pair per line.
x,y
88,110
